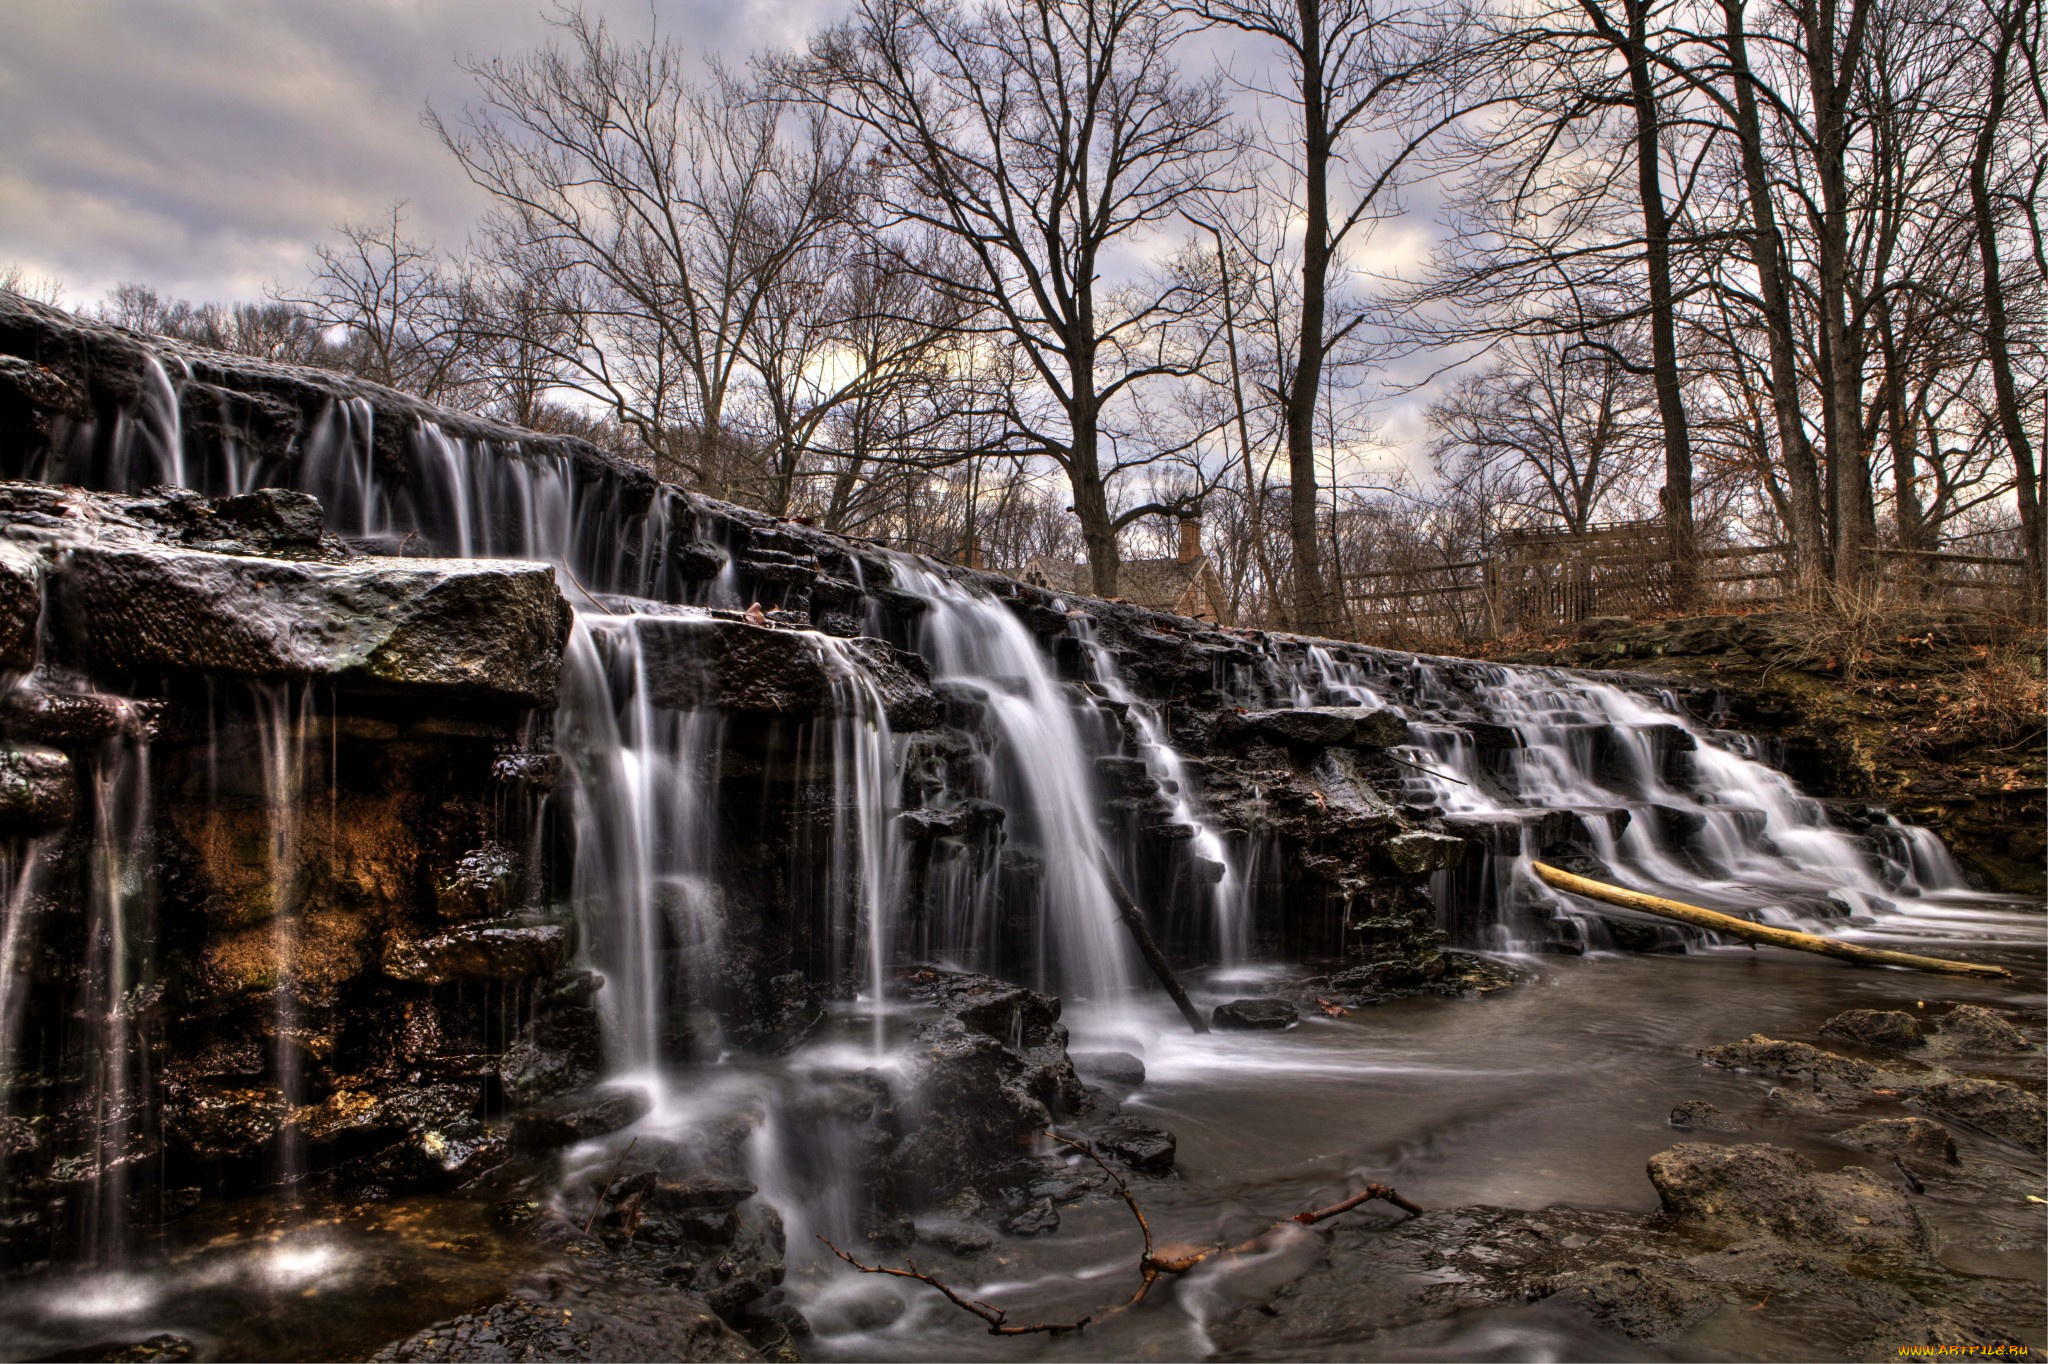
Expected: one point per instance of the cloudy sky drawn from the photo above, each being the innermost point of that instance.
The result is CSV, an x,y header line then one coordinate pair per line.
x,y
203,146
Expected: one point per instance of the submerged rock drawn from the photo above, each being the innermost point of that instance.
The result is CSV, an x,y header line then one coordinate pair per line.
x,y
1992,1106
1110,1067
1825,1075
1641,1302
1255,1015
1139,1144
1703,1116
1910,1138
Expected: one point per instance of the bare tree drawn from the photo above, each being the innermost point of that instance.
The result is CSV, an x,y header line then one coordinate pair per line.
x,y
1045,137
660,216
396,304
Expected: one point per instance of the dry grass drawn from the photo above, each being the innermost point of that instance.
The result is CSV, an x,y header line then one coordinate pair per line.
x,y
2003,698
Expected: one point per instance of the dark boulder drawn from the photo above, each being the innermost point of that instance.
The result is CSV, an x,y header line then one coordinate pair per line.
x,y
1255,1015
579,1117
1139,1144
1318,727
1699,1115
1874,1028
1973,1028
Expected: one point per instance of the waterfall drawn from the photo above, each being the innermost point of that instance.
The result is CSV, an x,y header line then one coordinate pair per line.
x,y
644,884
1666,802
1041,771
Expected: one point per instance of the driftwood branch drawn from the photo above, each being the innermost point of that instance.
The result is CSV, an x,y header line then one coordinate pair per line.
x,y
1717,922
996,1317
1154,1262
1134,919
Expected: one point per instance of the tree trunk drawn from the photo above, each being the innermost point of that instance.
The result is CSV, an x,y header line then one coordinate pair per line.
x,y
1091,503
1311,609
1677,493
1767,253
1851,520
2026,478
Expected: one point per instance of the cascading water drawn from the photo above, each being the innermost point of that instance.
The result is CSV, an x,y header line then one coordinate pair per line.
x,y
1664,801
1041,772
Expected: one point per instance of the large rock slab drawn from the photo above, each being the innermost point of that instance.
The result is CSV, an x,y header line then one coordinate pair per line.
x,y
1744,1188
1318,727
695,660
479,627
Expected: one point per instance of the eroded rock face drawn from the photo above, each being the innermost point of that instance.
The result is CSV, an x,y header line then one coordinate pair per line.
x,y
2003,1110
1889,1029
990,1073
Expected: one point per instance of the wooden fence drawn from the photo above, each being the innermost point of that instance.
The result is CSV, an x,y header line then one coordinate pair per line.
x,y
1539,580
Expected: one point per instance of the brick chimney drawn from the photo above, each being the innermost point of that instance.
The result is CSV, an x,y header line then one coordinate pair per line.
x,y
1190,538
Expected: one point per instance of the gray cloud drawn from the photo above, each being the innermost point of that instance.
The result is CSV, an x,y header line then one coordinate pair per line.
x,y
203,147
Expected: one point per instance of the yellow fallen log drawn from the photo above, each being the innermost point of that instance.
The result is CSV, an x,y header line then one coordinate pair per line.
x,y
1763,933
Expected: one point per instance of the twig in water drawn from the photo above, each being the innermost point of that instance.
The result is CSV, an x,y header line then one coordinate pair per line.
x,y
609,1180
996,1317
1153,1261
1427,771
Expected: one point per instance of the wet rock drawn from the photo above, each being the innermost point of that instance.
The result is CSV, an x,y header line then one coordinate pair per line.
x,y
482,883
988,1074
477,952
71,718
1992,1106
1110,1067
1823,1073
223,1123
1702,1116
1875,1028
1778,1190
708,1189
1318,727
955,1235
968,819
1490,737
473,627
37,791
1973,1028
269,520
578,1117
161,1348
1255,1015
751,1266
1909,1138
693,659
1033,1219
850,1310
580,1312
1642,1302
21,606
1416,854
1139,1144
1935,1334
